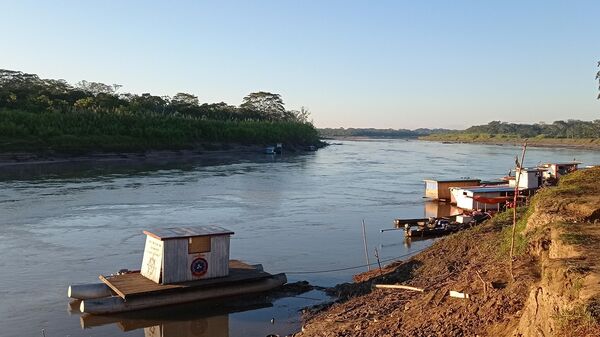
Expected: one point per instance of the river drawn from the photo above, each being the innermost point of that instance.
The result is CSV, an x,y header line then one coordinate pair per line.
x,y
66,224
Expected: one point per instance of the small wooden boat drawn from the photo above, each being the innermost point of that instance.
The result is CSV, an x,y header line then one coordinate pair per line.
x,y
179,265
428,232
431,228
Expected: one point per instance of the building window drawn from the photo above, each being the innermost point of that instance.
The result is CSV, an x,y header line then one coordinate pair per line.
x,y
198,244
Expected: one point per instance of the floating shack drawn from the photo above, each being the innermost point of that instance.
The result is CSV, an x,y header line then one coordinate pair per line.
x,y
440,189
179,265
529,178
484,198
182,254
556,170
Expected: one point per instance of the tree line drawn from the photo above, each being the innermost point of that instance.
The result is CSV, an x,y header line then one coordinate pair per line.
x,y
378,133
29,92
44,114
559,129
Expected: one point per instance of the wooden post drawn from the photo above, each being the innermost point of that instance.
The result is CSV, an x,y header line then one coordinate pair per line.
x,y
519,167
377,257
398,286
365,244
483,282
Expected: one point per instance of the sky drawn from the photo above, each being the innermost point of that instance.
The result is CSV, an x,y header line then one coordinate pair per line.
x,y
381,64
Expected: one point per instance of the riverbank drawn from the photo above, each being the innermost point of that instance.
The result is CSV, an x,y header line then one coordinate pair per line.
x,y
208,151
574,143
553,288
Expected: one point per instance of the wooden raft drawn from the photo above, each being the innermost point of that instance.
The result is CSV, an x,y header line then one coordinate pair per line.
x,y
134,284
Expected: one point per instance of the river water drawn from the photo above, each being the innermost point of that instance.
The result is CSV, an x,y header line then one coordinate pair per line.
x,y
65,224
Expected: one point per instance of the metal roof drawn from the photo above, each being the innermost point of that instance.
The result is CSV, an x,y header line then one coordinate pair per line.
x,y
186,232
531,169
564,163
452,180
491,189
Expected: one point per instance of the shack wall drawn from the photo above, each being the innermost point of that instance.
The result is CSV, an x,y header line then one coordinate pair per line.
x,y
528,179
431,189
444,188
177,261
463,200
440,190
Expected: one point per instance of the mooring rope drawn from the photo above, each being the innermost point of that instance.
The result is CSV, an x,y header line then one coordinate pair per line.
x,y
354,267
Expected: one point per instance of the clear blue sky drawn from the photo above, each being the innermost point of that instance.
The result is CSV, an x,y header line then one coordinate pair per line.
x,y
396,64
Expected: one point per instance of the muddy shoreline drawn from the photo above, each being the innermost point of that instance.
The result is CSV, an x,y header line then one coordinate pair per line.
x,y
212,152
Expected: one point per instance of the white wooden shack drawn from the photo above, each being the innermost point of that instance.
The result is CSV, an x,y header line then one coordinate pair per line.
x,y
556,170
529,178
182,254
466,198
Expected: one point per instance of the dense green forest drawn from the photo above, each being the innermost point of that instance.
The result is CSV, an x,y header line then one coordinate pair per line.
x,y
559,129
44,114
378,133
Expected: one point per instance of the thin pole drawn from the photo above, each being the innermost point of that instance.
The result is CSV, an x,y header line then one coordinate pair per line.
x,y
364,232
517,180
377,256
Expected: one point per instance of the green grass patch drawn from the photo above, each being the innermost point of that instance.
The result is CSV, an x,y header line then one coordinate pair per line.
x,y
505,219
576,238
579,321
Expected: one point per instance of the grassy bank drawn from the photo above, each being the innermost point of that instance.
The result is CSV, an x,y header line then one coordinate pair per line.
x,y
486,138
83,132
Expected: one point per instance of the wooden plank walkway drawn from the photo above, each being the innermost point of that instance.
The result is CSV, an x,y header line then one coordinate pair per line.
x,y
134,284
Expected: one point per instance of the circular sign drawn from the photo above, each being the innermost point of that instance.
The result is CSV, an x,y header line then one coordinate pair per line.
x,y
199,267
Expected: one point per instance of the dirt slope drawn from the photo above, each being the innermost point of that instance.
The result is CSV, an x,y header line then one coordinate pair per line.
x,y
554,290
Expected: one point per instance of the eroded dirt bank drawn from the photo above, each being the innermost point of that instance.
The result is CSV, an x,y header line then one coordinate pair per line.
x,y
553,288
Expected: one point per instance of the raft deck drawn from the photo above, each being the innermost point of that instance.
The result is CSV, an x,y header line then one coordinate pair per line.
x,y
133,284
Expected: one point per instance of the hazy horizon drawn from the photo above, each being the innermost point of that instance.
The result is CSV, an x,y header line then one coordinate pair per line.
x,y
399,65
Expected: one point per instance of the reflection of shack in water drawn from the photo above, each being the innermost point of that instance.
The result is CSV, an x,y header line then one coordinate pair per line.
x,y
440,209
216,326
205,319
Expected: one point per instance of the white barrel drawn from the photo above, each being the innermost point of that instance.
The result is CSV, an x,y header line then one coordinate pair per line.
x,y
117,304
89,291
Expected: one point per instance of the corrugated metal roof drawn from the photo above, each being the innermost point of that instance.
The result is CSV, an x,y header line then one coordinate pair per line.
x,y
186,232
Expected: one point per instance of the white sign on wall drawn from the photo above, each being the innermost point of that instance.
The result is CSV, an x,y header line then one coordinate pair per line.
x,y
152,261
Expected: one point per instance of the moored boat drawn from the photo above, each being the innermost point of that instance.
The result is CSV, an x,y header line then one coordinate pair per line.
x,y
179,265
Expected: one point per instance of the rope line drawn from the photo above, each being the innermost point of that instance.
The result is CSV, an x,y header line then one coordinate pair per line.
x,y
354,267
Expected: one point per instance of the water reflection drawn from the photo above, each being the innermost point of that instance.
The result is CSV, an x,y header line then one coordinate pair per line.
x,y
133,165
440,209
201,319
216,326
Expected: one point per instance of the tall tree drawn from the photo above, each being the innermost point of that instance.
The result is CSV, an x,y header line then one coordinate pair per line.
x,y
269,105
96,88
598,78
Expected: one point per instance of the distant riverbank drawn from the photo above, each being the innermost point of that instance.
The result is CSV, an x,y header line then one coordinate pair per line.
x,y
575,143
